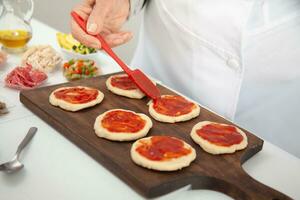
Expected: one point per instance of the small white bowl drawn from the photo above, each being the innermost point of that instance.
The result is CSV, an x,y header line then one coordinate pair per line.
x,y
97,57
68,55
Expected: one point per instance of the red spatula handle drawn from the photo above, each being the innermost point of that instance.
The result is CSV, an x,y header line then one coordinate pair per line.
x,y
110,52
105,46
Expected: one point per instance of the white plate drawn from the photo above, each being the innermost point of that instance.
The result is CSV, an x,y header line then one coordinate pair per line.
x,y
68,55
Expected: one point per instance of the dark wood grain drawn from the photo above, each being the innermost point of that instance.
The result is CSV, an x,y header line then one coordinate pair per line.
x,y
217,172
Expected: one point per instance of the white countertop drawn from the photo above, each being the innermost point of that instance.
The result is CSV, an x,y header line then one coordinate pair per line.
x,y
57,169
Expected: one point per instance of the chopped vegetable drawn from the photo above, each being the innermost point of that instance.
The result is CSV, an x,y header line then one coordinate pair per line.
x,y
79,69
67,42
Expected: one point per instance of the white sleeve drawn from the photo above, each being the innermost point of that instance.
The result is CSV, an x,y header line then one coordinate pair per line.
x,y
136,6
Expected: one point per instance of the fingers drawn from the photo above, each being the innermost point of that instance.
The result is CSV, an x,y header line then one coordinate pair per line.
x,y
90,2
112,39
84,38
117,39
96,19
84,11
95,13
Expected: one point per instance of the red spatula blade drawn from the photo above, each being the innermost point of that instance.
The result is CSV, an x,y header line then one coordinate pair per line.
x,y
137,76
144,84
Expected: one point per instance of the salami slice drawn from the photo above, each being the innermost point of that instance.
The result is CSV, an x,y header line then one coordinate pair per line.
x,y
23,78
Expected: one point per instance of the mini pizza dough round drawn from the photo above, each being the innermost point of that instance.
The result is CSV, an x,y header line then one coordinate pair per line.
x,y
121,136
165,165
71,106
213,148
173,119
134,93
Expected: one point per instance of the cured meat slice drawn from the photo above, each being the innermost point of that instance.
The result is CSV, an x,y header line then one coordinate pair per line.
x,y
23,78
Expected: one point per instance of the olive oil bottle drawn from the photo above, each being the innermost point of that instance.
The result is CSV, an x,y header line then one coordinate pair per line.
x,y
14,38
15,29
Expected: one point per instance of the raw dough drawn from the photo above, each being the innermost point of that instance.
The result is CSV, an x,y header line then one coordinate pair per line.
x,y
74,107
121,136
172,119
213,148
164,165
134,93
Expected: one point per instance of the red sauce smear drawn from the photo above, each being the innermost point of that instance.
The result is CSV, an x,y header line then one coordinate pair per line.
x,y
123,121
173,105
221,135
161,148
123,82
76,95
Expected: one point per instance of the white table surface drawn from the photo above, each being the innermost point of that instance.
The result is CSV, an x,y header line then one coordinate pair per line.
x,y
57,169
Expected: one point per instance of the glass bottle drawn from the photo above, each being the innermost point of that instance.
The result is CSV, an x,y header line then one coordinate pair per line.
x,y
15,29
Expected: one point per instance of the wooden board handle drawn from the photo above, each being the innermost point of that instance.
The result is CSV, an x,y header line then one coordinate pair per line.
x,y
241,186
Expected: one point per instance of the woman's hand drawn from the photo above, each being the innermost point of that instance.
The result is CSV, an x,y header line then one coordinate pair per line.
x,y
3,57
104,17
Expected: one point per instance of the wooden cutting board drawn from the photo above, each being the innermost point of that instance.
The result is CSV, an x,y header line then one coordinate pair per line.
x,y
216,172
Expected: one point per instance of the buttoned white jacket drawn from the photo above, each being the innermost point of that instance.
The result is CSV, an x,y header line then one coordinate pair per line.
x,y
239,58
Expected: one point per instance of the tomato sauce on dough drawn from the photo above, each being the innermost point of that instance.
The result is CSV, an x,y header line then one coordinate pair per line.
x,y
173,105
123,82
161,148
221,135
123,121
76,95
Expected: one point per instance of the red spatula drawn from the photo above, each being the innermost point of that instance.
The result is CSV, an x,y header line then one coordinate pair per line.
x,y
137,76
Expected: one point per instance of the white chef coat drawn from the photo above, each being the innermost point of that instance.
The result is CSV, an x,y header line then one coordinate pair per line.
x,y
214,52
